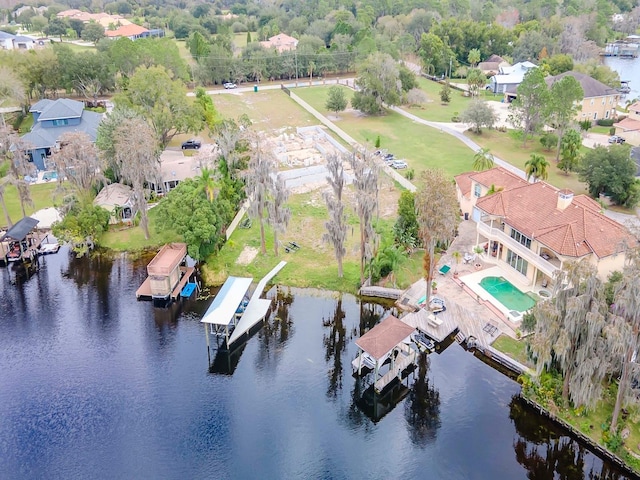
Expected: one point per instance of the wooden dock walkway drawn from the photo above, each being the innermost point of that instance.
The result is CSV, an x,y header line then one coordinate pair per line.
x,y
381,292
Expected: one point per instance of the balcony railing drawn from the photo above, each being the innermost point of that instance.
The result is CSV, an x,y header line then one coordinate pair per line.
x,y
533,258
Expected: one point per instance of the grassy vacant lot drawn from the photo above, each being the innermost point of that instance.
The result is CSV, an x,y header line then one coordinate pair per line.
x,y
435,110
42,195
267,109
314,264
423,147
508,147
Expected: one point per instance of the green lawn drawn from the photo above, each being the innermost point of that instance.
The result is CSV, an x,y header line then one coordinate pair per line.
x,y
509,148
42,195
314,264
267,109
26,124
423,147
516,349
132,239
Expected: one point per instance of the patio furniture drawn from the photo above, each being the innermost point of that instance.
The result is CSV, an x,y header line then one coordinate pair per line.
x,y
468,257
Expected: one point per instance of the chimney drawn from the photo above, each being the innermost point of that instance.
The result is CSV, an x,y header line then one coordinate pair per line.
x,y
564,199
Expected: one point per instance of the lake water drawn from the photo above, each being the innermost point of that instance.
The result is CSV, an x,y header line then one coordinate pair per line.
x,y
629,70
94,384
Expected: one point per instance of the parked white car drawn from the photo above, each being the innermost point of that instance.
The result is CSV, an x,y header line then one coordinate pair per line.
x,y
399,164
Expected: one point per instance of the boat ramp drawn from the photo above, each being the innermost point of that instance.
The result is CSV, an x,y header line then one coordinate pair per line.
x,y
233,311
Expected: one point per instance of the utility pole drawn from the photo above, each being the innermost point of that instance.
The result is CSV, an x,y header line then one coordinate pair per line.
x,y
295,56
450,62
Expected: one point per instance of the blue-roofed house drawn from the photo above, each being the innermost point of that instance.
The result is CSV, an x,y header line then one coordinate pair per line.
x,y
52,119
9,41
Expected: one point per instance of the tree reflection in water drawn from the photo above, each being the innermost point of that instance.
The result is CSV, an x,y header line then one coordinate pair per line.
x,y
277,328
546,452
422,408
335,343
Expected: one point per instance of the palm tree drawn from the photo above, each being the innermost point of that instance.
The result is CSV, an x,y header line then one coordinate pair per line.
x,y
536,167
208,183
483,160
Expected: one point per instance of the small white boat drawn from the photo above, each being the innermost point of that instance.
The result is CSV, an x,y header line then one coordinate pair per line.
x,y
48,248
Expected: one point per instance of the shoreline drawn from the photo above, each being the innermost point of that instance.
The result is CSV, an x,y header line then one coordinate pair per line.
x,y
578,435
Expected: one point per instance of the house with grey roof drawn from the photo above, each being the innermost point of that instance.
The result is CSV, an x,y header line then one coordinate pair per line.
x,y
599,100
9,41
509,77
52,119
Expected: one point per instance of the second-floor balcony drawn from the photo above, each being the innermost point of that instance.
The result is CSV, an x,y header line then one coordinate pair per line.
x,y
547,266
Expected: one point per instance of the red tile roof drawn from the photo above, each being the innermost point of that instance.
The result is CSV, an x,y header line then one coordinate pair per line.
x,y
464,182
126,31
628,124
382,338
577,230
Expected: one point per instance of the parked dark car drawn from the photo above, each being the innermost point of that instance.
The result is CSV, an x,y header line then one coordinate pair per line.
x,y
191,144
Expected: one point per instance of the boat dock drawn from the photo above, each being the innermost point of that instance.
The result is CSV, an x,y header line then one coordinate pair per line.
x,y
144,291
257,307
233,312
167,274
386,351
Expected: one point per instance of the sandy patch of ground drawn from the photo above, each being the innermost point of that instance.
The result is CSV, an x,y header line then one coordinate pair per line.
x,y
247,255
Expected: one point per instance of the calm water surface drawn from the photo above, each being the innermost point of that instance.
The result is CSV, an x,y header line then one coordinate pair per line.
x,y
94,384
629,70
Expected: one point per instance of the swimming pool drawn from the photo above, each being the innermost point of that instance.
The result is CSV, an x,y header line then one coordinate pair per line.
x,y
507,294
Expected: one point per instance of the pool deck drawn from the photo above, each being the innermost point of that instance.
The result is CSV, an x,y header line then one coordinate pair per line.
x,y
471,302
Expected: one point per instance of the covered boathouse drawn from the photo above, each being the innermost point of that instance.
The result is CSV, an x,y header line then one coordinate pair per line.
x,y
386,350
20,243
167,274
233,312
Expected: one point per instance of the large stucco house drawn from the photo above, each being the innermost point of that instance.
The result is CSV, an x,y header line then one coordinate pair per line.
x,y
599,100
281,42
532,229
629,127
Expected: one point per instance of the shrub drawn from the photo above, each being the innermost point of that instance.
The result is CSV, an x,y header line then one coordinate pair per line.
x,y
549,141
605,122
612,131
410,175
456,117
378,141
585,125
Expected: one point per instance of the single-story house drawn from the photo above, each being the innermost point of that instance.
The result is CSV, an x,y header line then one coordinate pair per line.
x,y
131,31
629,127
51,119
9,41
509,77
599,100
492,65
532,229
119,201
281,42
